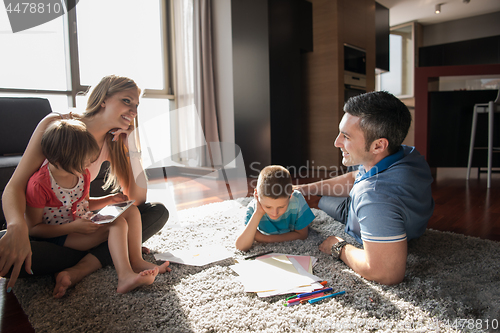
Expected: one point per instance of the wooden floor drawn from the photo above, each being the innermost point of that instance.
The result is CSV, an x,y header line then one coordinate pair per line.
x,y
465,207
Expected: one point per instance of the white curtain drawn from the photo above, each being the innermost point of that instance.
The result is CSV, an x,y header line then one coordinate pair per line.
x,y
204,81
196,136
185,124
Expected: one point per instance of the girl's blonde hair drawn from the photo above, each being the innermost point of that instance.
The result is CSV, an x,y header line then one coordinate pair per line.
x,y
118,153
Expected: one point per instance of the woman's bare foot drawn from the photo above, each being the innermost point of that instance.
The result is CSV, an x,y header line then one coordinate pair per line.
x,y
63,282
163,268
71,276
143,265
134,280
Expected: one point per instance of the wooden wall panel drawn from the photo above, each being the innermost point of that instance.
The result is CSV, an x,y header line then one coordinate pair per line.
x,y
322,95
335,22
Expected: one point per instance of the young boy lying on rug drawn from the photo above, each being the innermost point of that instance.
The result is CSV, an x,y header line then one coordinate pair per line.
x,y
58,206
277,213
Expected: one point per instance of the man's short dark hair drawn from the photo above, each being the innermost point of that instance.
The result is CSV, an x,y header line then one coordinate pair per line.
x,y
382,116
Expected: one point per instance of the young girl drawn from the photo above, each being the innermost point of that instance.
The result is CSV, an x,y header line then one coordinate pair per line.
x,y
110,117
58,205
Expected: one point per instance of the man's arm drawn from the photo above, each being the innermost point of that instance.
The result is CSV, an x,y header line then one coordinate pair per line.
x,y
339,186
384,263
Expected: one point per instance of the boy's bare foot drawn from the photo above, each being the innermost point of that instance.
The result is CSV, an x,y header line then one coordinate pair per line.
x,y
63,282
134,280
143,264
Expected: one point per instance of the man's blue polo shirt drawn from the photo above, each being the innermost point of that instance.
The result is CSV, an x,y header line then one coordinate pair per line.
x,y
393,200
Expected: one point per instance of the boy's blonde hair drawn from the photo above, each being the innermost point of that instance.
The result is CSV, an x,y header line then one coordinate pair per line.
x,y
274,182
67,144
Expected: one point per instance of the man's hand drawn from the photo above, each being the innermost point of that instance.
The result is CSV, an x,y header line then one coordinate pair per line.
x,y
15,249
384,263
326,246
299,188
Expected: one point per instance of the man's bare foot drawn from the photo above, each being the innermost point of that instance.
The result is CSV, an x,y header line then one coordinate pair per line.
x,y
134,280
63,282
143,265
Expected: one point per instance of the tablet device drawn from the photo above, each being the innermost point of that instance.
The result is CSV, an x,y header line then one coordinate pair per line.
x,y
109,213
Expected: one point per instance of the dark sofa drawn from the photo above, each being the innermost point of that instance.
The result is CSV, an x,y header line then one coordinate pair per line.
x,y
20,116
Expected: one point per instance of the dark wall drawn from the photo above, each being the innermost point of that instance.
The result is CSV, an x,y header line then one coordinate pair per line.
x,y
288,38
382,31
252,107
450,119
269,37
479,51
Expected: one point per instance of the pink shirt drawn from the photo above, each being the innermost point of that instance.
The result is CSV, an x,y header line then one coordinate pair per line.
x,y
60,205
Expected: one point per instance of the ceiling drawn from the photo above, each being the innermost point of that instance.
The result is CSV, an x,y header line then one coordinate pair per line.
x,y
422,11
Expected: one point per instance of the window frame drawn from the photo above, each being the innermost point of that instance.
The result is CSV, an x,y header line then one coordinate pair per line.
x,y
73,64
411,56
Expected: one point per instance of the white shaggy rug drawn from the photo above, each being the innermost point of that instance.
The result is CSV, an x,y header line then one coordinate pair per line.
x,y
452,284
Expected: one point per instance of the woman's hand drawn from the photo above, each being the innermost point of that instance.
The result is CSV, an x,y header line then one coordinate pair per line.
x,y
86,227
128,140
15,250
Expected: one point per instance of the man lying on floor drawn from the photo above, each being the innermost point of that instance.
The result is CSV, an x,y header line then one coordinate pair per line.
x,y
387,199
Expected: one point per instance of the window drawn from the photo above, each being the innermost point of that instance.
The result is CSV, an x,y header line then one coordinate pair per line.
x,y
34,58
399,80
124,37
110,40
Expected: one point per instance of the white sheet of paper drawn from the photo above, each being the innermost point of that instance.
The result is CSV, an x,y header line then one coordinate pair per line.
x,y
271,274
198,256
300,259
299,290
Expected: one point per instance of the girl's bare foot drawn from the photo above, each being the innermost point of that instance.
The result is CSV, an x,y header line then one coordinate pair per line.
x,y
134,280
143,264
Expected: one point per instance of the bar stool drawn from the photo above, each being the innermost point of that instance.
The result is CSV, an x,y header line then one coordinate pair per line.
x,y
491,108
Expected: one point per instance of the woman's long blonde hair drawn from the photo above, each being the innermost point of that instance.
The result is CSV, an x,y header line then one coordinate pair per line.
x,y
118,173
